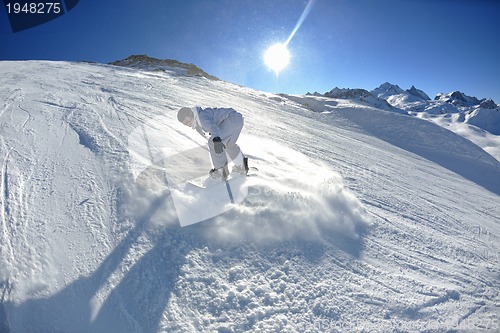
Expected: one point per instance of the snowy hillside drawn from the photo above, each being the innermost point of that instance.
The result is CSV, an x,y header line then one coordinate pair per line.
x,y
357,220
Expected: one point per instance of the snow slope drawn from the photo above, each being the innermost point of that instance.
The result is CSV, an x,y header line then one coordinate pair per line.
x,y
358,219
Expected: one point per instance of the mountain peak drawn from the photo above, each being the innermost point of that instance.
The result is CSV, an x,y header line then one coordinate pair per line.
x,y
387,89
360,95
488,104
457,98
388,85
418,93
152,64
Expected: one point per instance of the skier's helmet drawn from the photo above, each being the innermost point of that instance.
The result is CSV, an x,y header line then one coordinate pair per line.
x,y
184,113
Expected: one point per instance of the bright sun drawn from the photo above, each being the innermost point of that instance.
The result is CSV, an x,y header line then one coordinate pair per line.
x,y
277,57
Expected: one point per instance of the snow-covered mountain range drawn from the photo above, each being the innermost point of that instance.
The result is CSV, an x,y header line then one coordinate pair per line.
x,y
484,113
477,120
359,218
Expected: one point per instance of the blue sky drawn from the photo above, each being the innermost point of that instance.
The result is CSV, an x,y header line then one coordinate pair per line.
x,y
436,45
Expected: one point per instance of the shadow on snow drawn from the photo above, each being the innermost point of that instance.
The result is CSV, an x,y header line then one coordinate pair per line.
x,y
71,310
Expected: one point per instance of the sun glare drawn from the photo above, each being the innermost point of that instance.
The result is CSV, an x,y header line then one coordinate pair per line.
x,y
277,57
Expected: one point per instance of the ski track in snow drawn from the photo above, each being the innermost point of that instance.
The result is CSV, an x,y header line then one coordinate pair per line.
x,y
4,189
386,223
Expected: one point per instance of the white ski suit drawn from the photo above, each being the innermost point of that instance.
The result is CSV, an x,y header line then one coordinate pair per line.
x,y
225,123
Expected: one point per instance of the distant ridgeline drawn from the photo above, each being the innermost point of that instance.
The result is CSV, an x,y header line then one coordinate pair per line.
x,y
152,64
483,113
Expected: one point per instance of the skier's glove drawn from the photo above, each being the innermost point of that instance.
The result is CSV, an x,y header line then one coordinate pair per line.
x,y
218,145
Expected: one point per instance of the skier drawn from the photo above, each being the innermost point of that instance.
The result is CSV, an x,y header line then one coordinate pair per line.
x,y
223,126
